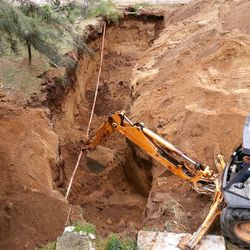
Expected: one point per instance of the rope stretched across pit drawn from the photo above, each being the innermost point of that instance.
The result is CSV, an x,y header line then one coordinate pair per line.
x,y
90,120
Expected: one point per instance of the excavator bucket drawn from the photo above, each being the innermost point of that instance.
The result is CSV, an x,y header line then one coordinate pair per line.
x,y
148,240
97,160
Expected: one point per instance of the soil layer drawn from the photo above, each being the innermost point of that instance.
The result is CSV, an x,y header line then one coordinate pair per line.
x,y
185,77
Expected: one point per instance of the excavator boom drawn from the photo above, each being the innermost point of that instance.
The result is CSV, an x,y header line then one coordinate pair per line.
x,y
203,179
158,148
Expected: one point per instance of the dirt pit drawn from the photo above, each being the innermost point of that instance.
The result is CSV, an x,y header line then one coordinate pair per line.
x,y
185,77
107,198
160,73
114,195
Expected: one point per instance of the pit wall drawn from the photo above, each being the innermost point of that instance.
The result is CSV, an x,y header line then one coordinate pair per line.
x,y
32,211
125,43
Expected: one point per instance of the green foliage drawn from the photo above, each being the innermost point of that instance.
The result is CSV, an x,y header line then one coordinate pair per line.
x,y
43,28
18,26
71,11
137,6
113,243
117,243
49,246
106,9
230,246
47,14
12,21
85,227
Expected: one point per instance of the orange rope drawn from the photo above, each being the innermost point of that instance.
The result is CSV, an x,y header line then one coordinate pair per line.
x,y
73,174
98,81
92,112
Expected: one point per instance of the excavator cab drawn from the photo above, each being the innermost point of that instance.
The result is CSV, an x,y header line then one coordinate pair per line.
x,y
235,217
236,189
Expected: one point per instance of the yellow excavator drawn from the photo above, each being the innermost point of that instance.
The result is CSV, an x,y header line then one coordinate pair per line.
x,y
231,195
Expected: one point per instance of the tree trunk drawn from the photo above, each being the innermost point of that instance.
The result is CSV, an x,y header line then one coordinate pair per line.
x,y
29,51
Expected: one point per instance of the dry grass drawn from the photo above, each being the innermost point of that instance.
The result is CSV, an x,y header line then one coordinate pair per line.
x,y
176,212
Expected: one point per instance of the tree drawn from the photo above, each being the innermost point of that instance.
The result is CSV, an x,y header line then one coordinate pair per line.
x,y
17,25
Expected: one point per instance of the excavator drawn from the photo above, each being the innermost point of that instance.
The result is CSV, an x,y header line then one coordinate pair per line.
x,y
229,189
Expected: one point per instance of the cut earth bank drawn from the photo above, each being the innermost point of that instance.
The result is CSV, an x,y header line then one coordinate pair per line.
x,y
184,75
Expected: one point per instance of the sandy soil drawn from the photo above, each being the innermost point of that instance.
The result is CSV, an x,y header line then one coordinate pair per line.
x,y
185,77
31,169
192,87
99,194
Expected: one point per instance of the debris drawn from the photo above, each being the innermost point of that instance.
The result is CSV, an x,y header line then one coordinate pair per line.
x,y
74,241
109,221
121,225
83,233
69,229
147,240
91,236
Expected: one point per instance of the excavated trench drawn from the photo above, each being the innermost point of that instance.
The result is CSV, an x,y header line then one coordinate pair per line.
x,y
111,192
184,70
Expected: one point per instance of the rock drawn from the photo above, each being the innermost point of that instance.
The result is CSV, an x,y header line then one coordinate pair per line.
x,y
73,241
91,236
147,240
69,229
103,155
189,215
83,233
161,123
109,221
160,197
121,225
176,185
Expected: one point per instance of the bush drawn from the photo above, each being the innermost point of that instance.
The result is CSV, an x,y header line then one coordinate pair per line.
x,y
85,227
137,6
106,9
116,243
49,246
72,11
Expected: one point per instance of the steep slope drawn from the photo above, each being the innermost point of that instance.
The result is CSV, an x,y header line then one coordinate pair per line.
x,y
31,210
192,87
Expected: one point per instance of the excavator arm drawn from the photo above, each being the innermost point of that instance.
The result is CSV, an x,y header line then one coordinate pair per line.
x,y
158,148
201,177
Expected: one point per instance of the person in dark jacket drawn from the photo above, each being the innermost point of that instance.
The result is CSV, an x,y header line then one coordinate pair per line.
x,y
244,174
